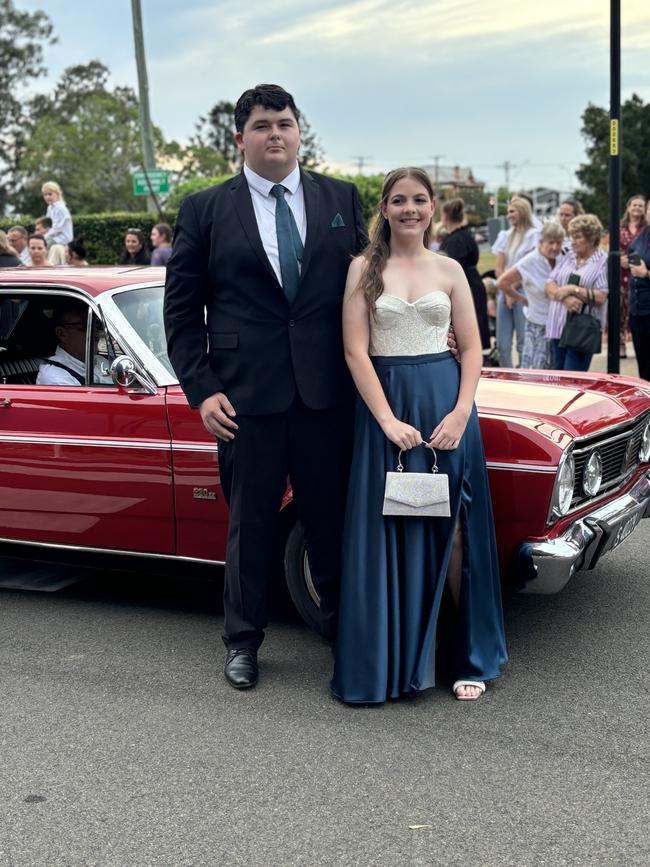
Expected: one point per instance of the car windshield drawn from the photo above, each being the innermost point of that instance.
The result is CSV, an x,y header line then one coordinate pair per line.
x,y
143,308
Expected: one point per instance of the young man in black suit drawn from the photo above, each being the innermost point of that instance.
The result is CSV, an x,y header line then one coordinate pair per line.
x,y
253,320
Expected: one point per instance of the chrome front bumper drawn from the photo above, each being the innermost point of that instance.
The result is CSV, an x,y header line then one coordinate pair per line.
x,y
545,567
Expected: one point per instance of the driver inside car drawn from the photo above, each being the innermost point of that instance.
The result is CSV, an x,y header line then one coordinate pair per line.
x,y
68,364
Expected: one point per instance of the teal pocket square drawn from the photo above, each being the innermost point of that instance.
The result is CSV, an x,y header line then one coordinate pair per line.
x,y
337,222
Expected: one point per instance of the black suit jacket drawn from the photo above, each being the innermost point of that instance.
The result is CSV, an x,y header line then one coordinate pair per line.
x,y
228,323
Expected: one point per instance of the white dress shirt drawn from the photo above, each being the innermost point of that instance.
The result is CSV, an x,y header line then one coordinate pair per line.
x,y
48,374
264,207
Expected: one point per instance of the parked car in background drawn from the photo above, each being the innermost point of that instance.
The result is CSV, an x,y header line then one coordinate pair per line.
x,y
121,465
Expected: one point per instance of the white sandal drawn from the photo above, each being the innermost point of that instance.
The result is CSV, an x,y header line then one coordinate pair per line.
x,y
476,683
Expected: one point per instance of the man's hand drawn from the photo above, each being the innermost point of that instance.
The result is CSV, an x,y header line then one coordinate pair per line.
x,y
451,343
217,414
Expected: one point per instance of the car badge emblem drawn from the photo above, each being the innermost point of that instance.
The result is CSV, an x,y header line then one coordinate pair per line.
x,y
203,494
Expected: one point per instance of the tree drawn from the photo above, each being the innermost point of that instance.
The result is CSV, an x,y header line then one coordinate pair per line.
x,y
22,35
635,154
217,130
190,161
87,138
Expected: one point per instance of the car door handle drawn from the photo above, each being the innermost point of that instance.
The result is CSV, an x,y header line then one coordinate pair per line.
x,y
4,401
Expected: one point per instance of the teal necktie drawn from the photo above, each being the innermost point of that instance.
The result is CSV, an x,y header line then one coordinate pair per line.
x,y
290,248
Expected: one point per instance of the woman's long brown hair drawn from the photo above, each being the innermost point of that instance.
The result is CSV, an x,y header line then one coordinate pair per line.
x,y
378,250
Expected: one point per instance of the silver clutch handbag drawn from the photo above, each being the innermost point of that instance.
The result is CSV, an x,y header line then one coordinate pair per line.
x,y
417,494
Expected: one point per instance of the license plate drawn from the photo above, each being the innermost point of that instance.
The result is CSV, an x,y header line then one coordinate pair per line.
x,y
624,529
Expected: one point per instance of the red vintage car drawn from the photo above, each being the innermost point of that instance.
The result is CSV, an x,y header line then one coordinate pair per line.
x,y
121,465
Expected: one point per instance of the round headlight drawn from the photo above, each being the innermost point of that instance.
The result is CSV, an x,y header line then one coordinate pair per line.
x,y
644,449
592,475
564,485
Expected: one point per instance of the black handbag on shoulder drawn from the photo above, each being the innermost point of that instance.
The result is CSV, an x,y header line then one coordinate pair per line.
x,y
582,332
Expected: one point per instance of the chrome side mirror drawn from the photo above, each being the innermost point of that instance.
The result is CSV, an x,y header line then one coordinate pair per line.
x,y
123,371
125,374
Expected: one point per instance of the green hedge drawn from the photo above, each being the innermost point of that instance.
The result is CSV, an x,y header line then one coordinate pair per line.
x,y
103,234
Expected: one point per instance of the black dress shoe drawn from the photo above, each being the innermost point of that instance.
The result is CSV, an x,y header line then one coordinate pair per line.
x,y
241,668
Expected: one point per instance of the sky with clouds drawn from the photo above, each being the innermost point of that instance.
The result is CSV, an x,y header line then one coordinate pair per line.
x,y
476,82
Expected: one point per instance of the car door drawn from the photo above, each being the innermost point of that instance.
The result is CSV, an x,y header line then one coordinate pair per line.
x,y
83,465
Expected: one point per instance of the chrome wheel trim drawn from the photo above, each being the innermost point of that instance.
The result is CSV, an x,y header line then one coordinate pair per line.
x,y
309,581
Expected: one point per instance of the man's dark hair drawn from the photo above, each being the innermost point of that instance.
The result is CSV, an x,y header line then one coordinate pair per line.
x,y
37,237
268,96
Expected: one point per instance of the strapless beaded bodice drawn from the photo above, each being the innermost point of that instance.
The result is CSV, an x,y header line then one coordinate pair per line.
x,y
402,328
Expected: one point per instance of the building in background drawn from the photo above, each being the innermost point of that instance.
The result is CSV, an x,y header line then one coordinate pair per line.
x,y
451,181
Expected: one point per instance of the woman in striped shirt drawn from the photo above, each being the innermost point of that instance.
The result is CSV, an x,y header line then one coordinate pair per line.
x,y
579,277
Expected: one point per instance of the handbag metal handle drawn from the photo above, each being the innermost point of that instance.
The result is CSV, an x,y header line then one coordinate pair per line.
x,y
400,465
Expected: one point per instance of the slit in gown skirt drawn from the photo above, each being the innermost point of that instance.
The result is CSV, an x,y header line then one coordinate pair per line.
x,y
395,568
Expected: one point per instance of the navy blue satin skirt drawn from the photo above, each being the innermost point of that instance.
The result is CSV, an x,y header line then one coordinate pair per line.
x,y
394,568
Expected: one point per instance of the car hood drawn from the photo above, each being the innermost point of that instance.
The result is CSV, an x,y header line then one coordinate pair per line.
x,y
580,404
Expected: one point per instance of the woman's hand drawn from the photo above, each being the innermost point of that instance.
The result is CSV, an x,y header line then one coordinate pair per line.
x,y
624,261
573,304
403,435
564,292
640,271
448,433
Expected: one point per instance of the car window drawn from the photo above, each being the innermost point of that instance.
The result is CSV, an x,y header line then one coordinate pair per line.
x,y
26,337
44,341
143,308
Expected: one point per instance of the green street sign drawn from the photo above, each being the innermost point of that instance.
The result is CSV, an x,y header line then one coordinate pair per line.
x,y
158,182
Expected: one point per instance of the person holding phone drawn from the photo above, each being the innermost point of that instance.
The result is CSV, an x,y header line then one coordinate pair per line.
x,y
638,258
578,279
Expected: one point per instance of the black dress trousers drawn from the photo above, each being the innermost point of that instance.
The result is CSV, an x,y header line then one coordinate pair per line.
x,y
312,449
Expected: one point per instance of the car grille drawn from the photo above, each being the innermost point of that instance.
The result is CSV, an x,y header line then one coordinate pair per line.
x,y
619,453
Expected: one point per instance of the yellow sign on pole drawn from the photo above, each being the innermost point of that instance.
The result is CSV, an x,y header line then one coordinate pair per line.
x,y
613,137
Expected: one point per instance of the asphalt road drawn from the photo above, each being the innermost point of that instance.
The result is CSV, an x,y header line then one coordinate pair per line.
x,y
122,745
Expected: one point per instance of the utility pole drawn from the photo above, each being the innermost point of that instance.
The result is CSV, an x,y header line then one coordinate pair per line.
x,y
146,130
507,165
614,260
436,175
361,161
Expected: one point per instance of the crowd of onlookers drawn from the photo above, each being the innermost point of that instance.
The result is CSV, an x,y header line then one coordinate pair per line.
x,y
546,275
53,242
549,276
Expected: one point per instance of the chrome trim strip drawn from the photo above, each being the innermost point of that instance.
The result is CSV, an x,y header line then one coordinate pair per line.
x,y
195,447
47,289
87,549
90,441
522,468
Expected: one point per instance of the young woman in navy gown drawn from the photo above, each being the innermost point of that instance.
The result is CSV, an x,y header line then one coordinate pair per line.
x,y
399,302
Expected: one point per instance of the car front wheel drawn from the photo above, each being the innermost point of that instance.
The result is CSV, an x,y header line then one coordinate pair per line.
x,y
299,580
